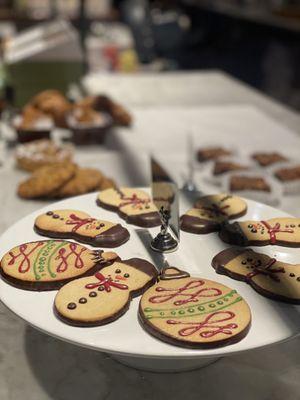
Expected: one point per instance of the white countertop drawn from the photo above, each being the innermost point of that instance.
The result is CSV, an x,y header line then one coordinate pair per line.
x,y
37,367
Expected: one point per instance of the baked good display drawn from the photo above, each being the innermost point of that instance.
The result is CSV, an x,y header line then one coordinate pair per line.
x,y
276,231
133,205
38,153
212,153
194,312
46,180
49,264
105,296
209,212
266,159
80,226
268,276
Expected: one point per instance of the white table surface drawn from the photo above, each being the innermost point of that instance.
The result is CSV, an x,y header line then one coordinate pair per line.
x,y
37,367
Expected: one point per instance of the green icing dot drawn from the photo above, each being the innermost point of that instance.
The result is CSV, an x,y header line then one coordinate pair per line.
x,y
162,313
191,310
181,312
173,312
147,309
201,308
220,302
212,305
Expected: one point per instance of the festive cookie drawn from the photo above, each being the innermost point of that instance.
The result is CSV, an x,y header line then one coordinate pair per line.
x,y
48,264
243,183
280,231
212,153
267,159
46,180
268,276
210,211
222,167
133,205
105,296
80,226
194,312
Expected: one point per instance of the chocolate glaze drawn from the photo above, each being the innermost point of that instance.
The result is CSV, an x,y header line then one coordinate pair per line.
x,y
113,237
145,220
167,274
188,224
106,206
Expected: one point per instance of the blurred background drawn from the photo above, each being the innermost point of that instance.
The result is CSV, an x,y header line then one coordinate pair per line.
x,y
254,41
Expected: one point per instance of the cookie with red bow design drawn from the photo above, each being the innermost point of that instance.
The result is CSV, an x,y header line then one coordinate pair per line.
x,y
80,226
133,205
277,231
268,276
194,312
105,296
209,212
49,264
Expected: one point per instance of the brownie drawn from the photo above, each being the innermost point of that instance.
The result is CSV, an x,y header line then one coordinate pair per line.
x,y
225,166
249,183
266,159
212,153
288,174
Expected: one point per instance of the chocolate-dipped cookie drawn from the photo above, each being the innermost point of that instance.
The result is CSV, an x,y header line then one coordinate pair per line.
x,y
49,264
276,231
268,276
80,226
194,312
105,296
209,212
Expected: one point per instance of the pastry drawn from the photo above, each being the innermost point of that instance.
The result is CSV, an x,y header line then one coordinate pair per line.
x,y
80,226
49,264
266,159
210,211
194,312
46,180
133,205
288,174
268,276
212,153
277,231
105,296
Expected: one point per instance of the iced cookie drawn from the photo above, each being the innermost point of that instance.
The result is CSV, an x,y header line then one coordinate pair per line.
x,y
210,211
194,312
133,205
280,231
268,276
80,226
49,264
105,296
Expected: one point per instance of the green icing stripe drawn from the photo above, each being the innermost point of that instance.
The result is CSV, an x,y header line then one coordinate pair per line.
x,y
52,274
37,276
179,315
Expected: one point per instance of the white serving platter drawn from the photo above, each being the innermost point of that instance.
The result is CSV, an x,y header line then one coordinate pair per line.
x,y
125,339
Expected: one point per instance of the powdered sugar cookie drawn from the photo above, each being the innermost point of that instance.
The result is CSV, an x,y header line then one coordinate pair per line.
x,y
194,312
80,226
105,296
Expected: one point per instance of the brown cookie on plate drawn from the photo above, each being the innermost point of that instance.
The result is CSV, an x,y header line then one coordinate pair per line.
x,y
80,226
194,312
268,276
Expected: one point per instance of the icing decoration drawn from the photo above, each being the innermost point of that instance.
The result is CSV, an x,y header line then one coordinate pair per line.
x,y
217,210
134,200
105,283
25,263
173,273
78,263
212,322
272,230
78,222
266,270
190,297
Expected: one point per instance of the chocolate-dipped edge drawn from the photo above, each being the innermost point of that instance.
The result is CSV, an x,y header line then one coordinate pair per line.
x,y
144,220
188,222
224,257
106,206
165,276
191,345
233,234
105,239
138,263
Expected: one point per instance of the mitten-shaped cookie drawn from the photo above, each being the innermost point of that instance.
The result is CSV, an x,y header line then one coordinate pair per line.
x,y
277,231
105,296
80,226
194,312
48,264
268,276
210,211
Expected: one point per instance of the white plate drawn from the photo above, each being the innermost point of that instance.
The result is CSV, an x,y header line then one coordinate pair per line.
x,y
273,322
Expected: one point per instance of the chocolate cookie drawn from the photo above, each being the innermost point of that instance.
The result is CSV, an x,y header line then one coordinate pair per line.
x,y
46,180
105,296
268,276
210,211
80,226
277,231
49,264
194,312
131,204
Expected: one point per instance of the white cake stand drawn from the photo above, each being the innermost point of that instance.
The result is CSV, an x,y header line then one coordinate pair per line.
x,y
124,339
